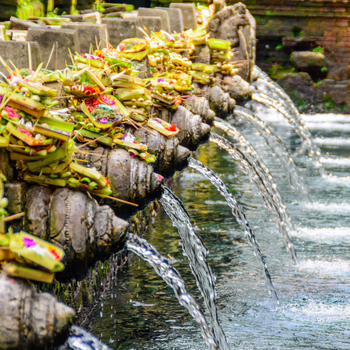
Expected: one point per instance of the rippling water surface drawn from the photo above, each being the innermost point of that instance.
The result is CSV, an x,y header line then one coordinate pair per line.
x,y
141,312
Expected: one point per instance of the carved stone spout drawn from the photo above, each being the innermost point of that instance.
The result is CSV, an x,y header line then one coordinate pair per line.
x,y
200,105
192,130
30,320
220,102
74,221
170,154
131,179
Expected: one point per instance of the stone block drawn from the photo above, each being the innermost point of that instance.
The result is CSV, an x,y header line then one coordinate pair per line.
x,y
300,85
88,34
120,29
146,12
175,18
47,38
20,24
16,195
304,59
188,14
17,52
152,24
74,18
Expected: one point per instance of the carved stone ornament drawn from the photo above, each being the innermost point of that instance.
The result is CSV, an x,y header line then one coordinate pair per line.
x,y
238,26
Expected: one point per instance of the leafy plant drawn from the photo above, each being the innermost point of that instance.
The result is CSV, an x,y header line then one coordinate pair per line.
x,y
318,49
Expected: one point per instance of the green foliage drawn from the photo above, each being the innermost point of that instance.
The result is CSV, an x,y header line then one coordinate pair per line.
x,y
329,104
279,47
274,70
318,49
324,69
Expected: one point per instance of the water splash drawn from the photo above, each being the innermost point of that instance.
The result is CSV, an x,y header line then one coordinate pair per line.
x,y
196,252
238,213
329,126
325,235
274,96
335,162
336,267
80,339
267,191
163,268
332,141
277,148
328,207
326,117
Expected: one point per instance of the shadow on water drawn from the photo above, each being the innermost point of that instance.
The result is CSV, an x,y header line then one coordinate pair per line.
x,y
141,312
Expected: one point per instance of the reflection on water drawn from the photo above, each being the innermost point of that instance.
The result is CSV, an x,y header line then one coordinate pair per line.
x,y
141,312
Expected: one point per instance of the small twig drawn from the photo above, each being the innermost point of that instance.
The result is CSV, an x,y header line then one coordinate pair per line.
x,y
87,143
47,64
116,199
13,217
56,55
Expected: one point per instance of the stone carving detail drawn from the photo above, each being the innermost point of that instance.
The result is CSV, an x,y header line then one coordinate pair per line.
x,y
170,154
30,320
74,221
238,26
192,130
220,102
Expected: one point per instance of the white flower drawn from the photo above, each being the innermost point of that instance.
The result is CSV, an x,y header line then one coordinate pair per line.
x,y
129,138
14,80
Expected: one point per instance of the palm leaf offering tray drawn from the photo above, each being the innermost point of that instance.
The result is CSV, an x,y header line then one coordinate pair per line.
x,y
25,255
106,97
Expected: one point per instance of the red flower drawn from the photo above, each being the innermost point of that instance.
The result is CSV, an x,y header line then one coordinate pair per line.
x,y
173,127
24,131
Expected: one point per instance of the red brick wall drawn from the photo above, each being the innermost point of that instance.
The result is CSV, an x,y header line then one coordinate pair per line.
x,y
326,21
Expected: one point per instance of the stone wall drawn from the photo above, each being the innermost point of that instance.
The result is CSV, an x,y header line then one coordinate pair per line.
x,y
288,26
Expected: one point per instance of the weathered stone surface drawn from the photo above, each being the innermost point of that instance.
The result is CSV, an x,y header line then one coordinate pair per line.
x,y
299,84
74,221
220,102
175,18
238,26
131,179
147,12
120,29
5,166
59,87
20,24
192,130
236,86
88,34
47,38
16,194
74,18
338,91
188,14
201,54
170,155
153,24
38,202
200,105
143,67
30,320
17,52
305,59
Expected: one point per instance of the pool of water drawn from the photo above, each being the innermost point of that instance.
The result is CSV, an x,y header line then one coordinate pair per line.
x,y
141,312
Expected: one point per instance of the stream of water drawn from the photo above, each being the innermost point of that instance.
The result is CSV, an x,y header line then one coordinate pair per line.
x,y
141,312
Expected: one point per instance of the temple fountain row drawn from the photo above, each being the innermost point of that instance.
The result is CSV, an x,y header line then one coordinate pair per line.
x,y
97,232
